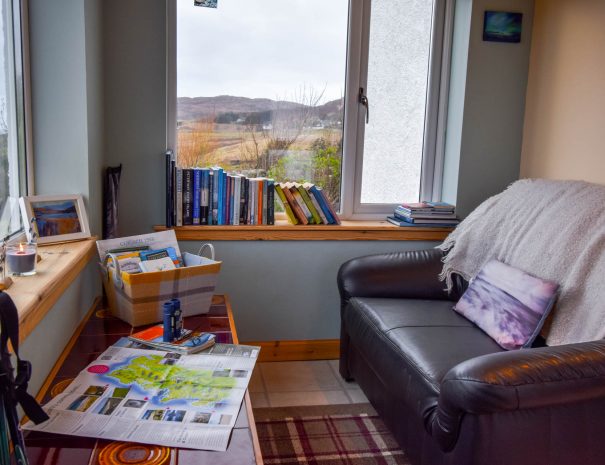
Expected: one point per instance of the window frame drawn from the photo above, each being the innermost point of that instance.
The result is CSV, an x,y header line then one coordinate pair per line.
x,y
19,84
435,115
354,115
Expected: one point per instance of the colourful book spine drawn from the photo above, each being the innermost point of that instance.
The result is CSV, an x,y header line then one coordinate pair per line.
x,y
253,191
244,197
302,218
284,201
219,197
187,197
169,189
211,203
231,198
237,180
228,199
179,197
270,202
197,196
265,201
224,199
309,204
259,204
324,218
322,203
329,205
301,203
204,197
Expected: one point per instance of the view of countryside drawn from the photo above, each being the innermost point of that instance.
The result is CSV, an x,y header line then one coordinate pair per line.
x,y
263,96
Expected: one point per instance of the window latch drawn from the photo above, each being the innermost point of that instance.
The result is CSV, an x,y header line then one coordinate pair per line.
x,y
363,99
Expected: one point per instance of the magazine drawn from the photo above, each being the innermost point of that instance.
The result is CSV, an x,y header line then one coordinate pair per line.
x,y
191,342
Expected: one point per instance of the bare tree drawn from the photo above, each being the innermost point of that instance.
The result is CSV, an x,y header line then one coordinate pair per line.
x,y
287,121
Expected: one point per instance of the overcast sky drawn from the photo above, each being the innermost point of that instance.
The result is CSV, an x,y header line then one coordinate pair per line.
x,y
261,48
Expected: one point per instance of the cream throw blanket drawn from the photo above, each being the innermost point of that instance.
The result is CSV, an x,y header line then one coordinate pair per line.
x,y
551,229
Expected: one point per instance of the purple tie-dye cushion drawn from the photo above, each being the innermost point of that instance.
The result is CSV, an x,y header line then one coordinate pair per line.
x,y
508,304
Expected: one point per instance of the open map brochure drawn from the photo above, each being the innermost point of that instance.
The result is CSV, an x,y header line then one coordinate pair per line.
x,y
156,397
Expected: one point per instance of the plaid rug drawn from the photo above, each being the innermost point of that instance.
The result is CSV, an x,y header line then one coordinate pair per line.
x,y
326,435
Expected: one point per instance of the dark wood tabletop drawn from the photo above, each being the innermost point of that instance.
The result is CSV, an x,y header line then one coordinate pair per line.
x,y
97,332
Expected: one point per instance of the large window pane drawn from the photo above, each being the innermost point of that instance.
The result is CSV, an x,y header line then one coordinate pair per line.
x,y
260,87
12,149
399,47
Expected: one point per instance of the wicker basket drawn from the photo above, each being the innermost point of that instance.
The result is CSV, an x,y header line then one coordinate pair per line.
x,y
138,298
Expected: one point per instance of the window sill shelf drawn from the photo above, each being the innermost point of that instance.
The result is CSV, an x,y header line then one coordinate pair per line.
x,y
283,231
35,295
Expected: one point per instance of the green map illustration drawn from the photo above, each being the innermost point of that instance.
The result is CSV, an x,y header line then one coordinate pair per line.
x,y
201,386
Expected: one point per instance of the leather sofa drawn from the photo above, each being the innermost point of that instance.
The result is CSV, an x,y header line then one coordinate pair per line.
x,y
449,394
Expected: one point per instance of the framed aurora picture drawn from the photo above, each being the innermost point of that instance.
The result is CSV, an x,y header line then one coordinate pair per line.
x,y
502,26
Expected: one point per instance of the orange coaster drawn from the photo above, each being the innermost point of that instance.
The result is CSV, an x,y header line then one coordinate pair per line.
x,y
127,453
60,387
102,314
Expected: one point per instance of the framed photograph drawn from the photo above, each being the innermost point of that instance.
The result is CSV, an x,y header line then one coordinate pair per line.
x,y
502,26
59,218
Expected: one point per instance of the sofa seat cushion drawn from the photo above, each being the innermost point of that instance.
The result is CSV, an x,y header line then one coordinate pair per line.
x,y
411,344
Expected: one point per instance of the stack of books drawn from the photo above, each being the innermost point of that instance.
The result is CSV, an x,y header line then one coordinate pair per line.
x,y
305,203
191,342
436,214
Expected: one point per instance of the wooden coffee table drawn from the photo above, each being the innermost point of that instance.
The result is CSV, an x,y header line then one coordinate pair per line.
x,y
98,331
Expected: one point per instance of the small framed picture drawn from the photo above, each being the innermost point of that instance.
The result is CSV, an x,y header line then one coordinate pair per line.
x,y
59,218
502,26
206,3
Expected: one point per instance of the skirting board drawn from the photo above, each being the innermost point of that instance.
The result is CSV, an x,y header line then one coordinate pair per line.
x,y
282,351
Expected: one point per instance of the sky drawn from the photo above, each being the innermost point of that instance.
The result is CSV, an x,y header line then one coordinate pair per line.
x,y
261,48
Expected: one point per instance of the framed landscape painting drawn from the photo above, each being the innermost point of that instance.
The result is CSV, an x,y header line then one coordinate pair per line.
x,y
58,218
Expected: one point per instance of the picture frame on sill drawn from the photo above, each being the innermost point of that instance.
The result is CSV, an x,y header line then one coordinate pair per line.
x,y
59,218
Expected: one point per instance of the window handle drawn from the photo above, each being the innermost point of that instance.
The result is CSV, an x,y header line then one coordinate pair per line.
x,y
363,99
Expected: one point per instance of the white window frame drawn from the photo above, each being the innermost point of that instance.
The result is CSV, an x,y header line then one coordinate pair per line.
x,y
354,118
435,115
19,86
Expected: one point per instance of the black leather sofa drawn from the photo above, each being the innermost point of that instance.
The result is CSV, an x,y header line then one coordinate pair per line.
x,y
447,391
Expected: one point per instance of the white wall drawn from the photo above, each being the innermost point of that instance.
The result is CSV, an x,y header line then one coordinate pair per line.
x,y
565,114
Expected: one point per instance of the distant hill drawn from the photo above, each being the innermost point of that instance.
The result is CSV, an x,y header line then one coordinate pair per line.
x,y
195,108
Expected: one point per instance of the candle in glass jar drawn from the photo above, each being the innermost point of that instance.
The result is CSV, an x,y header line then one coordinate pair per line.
x,y
21,259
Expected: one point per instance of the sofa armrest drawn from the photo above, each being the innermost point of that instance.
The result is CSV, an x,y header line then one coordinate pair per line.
x,y
518,380
411,274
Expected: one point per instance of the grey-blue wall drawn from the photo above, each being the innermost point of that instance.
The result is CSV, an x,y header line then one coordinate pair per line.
x,y
68,134
486,105
287,290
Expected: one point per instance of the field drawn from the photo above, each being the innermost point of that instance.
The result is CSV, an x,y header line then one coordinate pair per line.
x,y
235,146
310,154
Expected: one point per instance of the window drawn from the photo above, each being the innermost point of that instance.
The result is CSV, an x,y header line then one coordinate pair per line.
x,y
275,88
13,180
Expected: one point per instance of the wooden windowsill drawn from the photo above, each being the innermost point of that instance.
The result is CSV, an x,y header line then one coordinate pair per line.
x,y
35,295
284,231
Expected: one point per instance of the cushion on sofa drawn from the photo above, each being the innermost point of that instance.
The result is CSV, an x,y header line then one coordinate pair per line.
x,y
413,343
508,304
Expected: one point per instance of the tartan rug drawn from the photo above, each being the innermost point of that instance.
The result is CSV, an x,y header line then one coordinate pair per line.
x,y
350,434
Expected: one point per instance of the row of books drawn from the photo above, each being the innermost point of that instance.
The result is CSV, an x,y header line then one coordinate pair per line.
x,y
424,214
305,203
211,196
